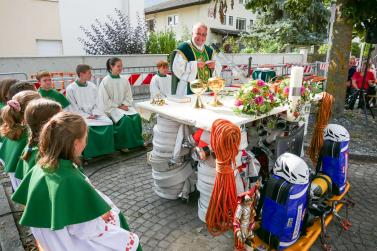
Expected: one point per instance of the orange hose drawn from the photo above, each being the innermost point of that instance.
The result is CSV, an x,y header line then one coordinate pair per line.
x,y
225,142
322,120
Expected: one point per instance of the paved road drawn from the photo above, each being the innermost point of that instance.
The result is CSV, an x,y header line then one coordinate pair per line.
x,y
174,225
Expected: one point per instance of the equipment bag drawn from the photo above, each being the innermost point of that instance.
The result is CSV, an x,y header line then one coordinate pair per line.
x,y
283,212
333,159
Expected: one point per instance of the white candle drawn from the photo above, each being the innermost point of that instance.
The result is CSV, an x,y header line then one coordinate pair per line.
x,y
295,84
297,74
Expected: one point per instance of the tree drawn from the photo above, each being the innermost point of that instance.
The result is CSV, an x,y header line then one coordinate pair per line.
x,y
161,42
115,36
361,15
289,22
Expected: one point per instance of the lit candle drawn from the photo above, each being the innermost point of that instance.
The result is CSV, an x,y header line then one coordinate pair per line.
x,y
297,74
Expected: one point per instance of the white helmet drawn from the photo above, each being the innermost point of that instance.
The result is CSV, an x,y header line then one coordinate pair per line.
x,y
336,133
292,168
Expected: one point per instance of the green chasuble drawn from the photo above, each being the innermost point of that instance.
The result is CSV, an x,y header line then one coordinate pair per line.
x,y
55,199
100,141
24,166
191,53
55,95
128,132
11,150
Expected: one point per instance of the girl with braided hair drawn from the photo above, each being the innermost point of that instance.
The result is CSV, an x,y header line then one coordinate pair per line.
x,y
14,132
37,113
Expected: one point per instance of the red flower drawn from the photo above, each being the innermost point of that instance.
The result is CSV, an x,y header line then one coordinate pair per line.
x,y
259,100
238,102
255,90
261,83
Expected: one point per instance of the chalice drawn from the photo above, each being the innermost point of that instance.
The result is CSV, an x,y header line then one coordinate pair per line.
x,y
216,84
198,87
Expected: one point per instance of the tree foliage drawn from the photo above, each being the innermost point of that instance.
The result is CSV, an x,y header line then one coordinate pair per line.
x,y
115,36
290,22
161,42
362,14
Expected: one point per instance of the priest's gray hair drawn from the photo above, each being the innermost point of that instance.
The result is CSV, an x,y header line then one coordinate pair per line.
x,y
197,26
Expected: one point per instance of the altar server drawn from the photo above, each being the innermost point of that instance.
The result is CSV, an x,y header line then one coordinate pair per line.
x,y
37,113
47,91
5,85
161,82
193,60
83,97
14,132
116,99
63,209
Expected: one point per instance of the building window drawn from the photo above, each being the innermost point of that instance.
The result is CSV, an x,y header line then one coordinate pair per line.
x,y
241,24
251,23
151,25
230,20
49,47
224,21
173,20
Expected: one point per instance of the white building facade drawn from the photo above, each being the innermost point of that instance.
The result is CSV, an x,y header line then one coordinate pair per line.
x,y
180,16
52,27
77,13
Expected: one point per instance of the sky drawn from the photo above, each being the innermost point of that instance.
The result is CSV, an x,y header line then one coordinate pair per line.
x,y
152,2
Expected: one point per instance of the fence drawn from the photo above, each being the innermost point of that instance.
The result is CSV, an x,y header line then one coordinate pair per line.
x,y
140,77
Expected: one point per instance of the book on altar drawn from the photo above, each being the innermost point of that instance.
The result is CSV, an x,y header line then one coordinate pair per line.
x,y
179,99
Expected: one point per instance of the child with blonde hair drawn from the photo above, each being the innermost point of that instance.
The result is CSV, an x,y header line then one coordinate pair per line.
x,y
63,209
14,132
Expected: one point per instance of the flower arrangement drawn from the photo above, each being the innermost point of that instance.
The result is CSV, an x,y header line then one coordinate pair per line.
x,y
255,98
308,90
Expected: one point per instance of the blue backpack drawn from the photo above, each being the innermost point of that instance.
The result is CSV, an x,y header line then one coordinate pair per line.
x,y
285,203
333,159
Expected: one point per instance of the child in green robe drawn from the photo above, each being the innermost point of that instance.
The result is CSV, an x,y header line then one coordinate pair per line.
x,y
14,132
5,84
37,113
63,209
47,91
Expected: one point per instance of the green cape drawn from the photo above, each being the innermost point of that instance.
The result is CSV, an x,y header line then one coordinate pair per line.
x,y
55,95
11,150
55,199
24,166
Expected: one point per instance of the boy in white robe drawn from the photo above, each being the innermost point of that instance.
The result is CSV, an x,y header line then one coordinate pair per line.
x,y
83,96
161,82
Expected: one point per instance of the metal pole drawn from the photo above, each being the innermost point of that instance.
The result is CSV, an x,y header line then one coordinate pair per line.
x,y
362,95
249,67
329,42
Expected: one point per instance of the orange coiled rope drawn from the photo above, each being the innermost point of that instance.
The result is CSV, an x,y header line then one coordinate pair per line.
x,y
225,142
322,120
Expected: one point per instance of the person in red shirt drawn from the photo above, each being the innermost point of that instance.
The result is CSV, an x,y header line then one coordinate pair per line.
x,y
369,86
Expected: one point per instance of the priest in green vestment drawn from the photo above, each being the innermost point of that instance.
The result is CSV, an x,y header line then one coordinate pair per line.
x,y
193,60
115,97
47,91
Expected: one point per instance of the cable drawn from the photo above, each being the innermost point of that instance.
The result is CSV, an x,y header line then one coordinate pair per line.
x,y
13,212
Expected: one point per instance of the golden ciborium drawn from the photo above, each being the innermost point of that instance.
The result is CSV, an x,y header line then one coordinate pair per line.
x,y
216,84
198,87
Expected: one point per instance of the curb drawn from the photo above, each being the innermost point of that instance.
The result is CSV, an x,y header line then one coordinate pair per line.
x,y
365,157
9,235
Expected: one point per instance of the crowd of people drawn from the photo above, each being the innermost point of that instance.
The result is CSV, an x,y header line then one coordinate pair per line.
x,y
43,137
355,84
45,133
